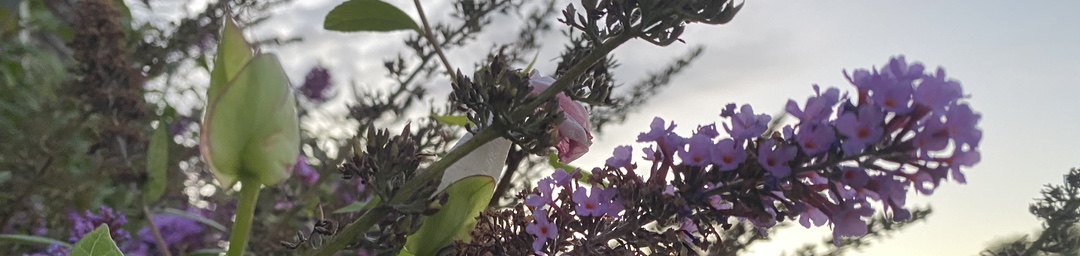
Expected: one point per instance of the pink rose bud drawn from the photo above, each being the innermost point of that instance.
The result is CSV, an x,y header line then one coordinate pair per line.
x,y
574,135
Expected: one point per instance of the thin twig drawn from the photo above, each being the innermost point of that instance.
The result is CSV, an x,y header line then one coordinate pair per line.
x,y
431,40
158,239
513,163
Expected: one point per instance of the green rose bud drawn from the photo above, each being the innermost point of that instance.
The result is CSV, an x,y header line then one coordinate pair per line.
x,y
250,130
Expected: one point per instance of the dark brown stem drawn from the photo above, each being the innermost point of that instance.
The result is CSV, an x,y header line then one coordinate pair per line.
x,y
157,233
513,163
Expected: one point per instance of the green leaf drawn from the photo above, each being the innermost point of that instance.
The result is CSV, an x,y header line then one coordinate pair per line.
x,y
25,239
252,130
359,206
206,252
553,160
233,53
157,164
96,243
451,120
466,199
368,15
200,219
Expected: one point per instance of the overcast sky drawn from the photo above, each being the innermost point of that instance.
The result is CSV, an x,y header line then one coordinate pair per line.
x,y
1017,60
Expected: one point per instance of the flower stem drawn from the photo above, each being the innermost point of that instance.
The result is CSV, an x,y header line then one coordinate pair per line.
x,y
598,53
249,194
348,235
162,246
426,31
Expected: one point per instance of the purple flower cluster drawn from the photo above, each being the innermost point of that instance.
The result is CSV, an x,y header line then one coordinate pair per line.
x,y
179,233
307,174
905,129
558,191
52,250
317,85
83,224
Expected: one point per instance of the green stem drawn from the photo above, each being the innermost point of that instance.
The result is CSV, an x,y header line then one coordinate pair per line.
x,y
353,231
598,53
245,212
426,31
162,246
434,172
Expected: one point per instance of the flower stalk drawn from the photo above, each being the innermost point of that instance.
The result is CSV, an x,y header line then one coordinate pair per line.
x,y
245,212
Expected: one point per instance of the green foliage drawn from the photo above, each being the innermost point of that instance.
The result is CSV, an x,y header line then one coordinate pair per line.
x,y
359,206
461,121
26,239
96,243
157,164
200,219
466,199
368,15
553,160
233,53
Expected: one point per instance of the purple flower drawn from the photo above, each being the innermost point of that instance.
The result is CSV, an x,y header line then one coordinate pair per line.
x,y
961,158
699,152
613,206
862,130
52,250
545,195
898,69
598,202
656,131
727,155
728,110
812,215
283,205
847,221
854,177
88,221
573,132
317,85
937,92
718,203
542,229
182,125
775,158
620,157
818,108
962,124
745,125
649,153
865,80
708,130
895,98
179,233
933,137
687,228
815,138
562,178
889,190
308,174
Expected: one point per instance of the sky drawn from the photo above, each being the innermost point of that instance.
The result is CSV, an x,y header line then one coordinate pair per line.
x,y
1016,60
